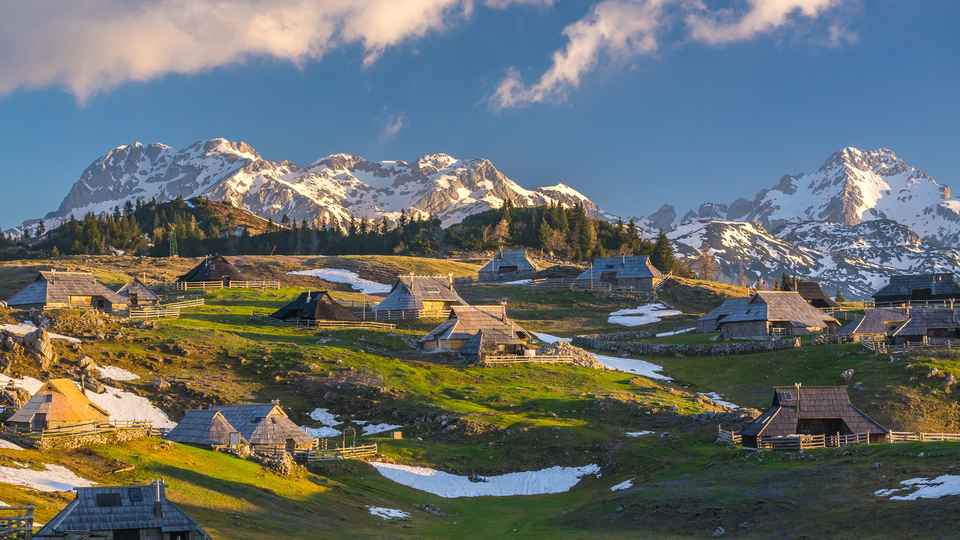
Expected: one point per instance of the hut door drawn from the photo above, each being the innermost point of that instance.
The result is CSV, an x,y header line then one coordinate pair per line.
x,y
39,421
133,299
291,445
226,281
99,303
126,534
608,277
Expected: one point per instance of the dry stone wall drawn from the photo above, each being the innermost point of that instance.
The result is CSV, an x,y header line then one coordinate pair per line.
x,y
664,349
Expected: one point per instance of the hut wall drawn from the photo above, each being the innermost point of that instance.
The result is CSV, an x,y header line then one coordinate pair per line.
x,y
807,330
431,345
452,344
744,329
707,326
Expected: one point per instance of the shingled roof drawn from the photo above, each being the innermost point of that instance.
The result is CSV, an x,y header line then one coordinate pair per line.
x,y
812,293
205,427
318,306
110,508
466,321
409,292
923,319
780,306
137,287
815,403
625,267
263,423
731,305
874,321
213,269
940,285
61,401
57,287
516,258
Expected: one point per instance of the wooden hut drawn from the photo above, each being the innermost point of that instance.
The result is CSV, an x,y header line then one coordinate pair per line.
x,y
937,287
138,512
205,427
507,265
812,293
138,294
927,323
776,313
621,272
266,425
482,329
811,410
215,268
710,321
58,405
875,324
51,290
432,294
314,306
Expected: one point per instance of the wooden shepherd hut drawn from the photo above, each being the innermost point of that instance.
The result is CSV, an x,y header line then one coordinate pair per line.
x,y
939,287
433,294
507,264
875,324
59,404
927,323
812,293
138,294
481,329
215,268
811,410
710,321
314,306
139,512
205,427
52,290
266,425
621,272
776,313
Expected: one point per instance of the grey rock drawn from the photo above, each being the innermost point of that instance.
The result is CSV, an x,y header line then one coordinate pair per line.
x,y
847,375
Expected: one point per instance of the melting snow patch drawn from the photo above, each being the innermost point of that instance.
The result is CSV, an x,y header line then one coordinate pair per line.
x,y
388,513
7,445
547,338
335,275
519,282
684,331
321,432
325,417
552,480
718,399
641,315
27,383
638,433
623,485
117,374
23,329
54,478
927,488
379,428
628,365
128,406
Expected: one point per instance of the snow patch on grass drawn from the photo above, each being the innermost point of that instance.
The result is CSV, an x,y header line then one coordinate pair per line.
x,y
117,374
325,417
646,314
7,445
718,399
129,406
54,478
336,275
684,331
23,329
623,485
638,433
27,383
552,480
926,488
379,428
628,365
388,513
321,432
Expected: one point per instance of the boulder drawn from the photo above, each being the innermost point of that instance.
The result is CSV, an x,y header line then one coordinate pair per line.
x,y
847,375
160,384
563,348
933,372
85,361
858,386
93,385
38,344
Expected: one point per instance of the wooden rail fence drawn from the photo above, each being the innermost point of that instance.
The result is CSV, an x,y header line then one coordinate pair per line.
x,y
905,436
159,312
326,454
517,359
337,325
80,429
928,344
16,522
728,437
208,285
392,314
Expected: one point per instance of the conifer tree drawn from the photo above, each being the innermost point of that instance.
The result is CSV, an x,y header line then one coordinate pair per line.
x,y
662,256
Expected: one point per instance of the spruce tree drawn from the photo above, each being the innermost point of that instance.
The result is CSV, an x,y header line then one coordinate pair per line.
x,y
662,256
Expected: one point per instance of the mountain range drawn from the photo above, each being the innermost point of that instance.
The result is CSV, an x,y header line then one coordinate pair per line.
x,y
860,218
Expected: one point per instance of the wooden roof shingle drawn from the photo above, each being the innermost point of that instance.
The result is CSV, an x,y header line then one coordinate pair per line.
x,y
940,284
137,287
812,293
780,306
923,319
57,287
204,427
263,423
466,321
874,321
815,402
625,268
213,269
730,305
318,306
517,258
409,292
61,401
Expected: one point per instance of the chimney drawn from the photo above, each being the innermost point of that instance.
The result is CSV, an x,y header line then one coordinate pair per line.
x,y
411,281
450,281
308,297
157,505
797,386
53,276
503,317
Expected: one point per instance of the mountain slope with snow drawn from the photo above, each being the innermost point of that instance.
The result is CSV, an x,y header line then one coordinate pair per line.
x,y
333,189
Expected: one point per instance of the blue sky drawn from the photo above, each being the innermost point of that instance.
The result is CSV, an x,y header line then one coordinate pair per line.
x,y
635,103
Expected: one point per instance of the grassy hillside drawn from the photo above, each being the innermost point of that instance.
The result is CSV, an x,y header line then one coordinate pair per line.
x,y
488,421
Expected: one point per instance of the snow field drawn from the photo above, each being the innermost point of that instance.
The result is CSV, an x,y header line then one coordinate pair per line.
x,y
638,433
117,374
53,478
450,486
335,275
329,423
627,484
388,513
646,314
25,328
7,445
926,488
628,365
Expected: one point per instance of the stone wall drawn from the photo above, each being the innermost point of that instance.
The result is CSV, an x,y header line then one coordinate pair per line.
x,y
629,335
68,442
662,349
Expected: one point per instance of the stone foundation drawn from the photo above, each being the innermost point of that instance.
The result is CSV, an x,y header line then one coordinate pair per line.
x,y
662,349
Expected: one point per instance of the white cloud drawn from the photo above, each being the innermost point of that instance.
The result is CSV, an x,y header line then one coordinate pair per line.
x,y
94,45
621,29
395,122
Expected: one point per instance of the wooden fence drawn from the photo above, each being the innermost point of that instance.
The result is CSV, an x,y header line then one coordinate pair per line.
x,y
208,285
550,283
929,344
336,325
181,304
517,359
86,428
16,522
326,454
158,312
728,437
663,281
393,314
905,436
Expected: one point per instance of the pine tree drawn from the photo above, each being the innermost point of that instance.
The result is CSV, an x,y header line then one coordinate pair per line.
x,y
662,256
839,297
704,265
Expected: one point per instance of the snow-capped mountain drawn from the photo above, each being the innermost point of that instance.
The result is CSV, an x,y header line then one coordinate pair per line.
x,y
862,217
333,189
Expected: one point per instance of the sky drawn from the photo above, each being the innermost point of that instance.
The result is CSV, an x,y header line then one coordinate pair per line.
x,y
635,103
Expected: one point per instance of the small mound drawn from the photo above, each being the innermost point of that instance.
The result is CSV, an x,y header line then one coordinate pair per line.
x,y
563,348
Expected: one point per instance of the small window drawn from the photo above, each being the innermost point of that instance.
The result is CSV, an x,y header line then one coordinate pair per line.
x,y
135,495
785,396
49,398
273,420
108,499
